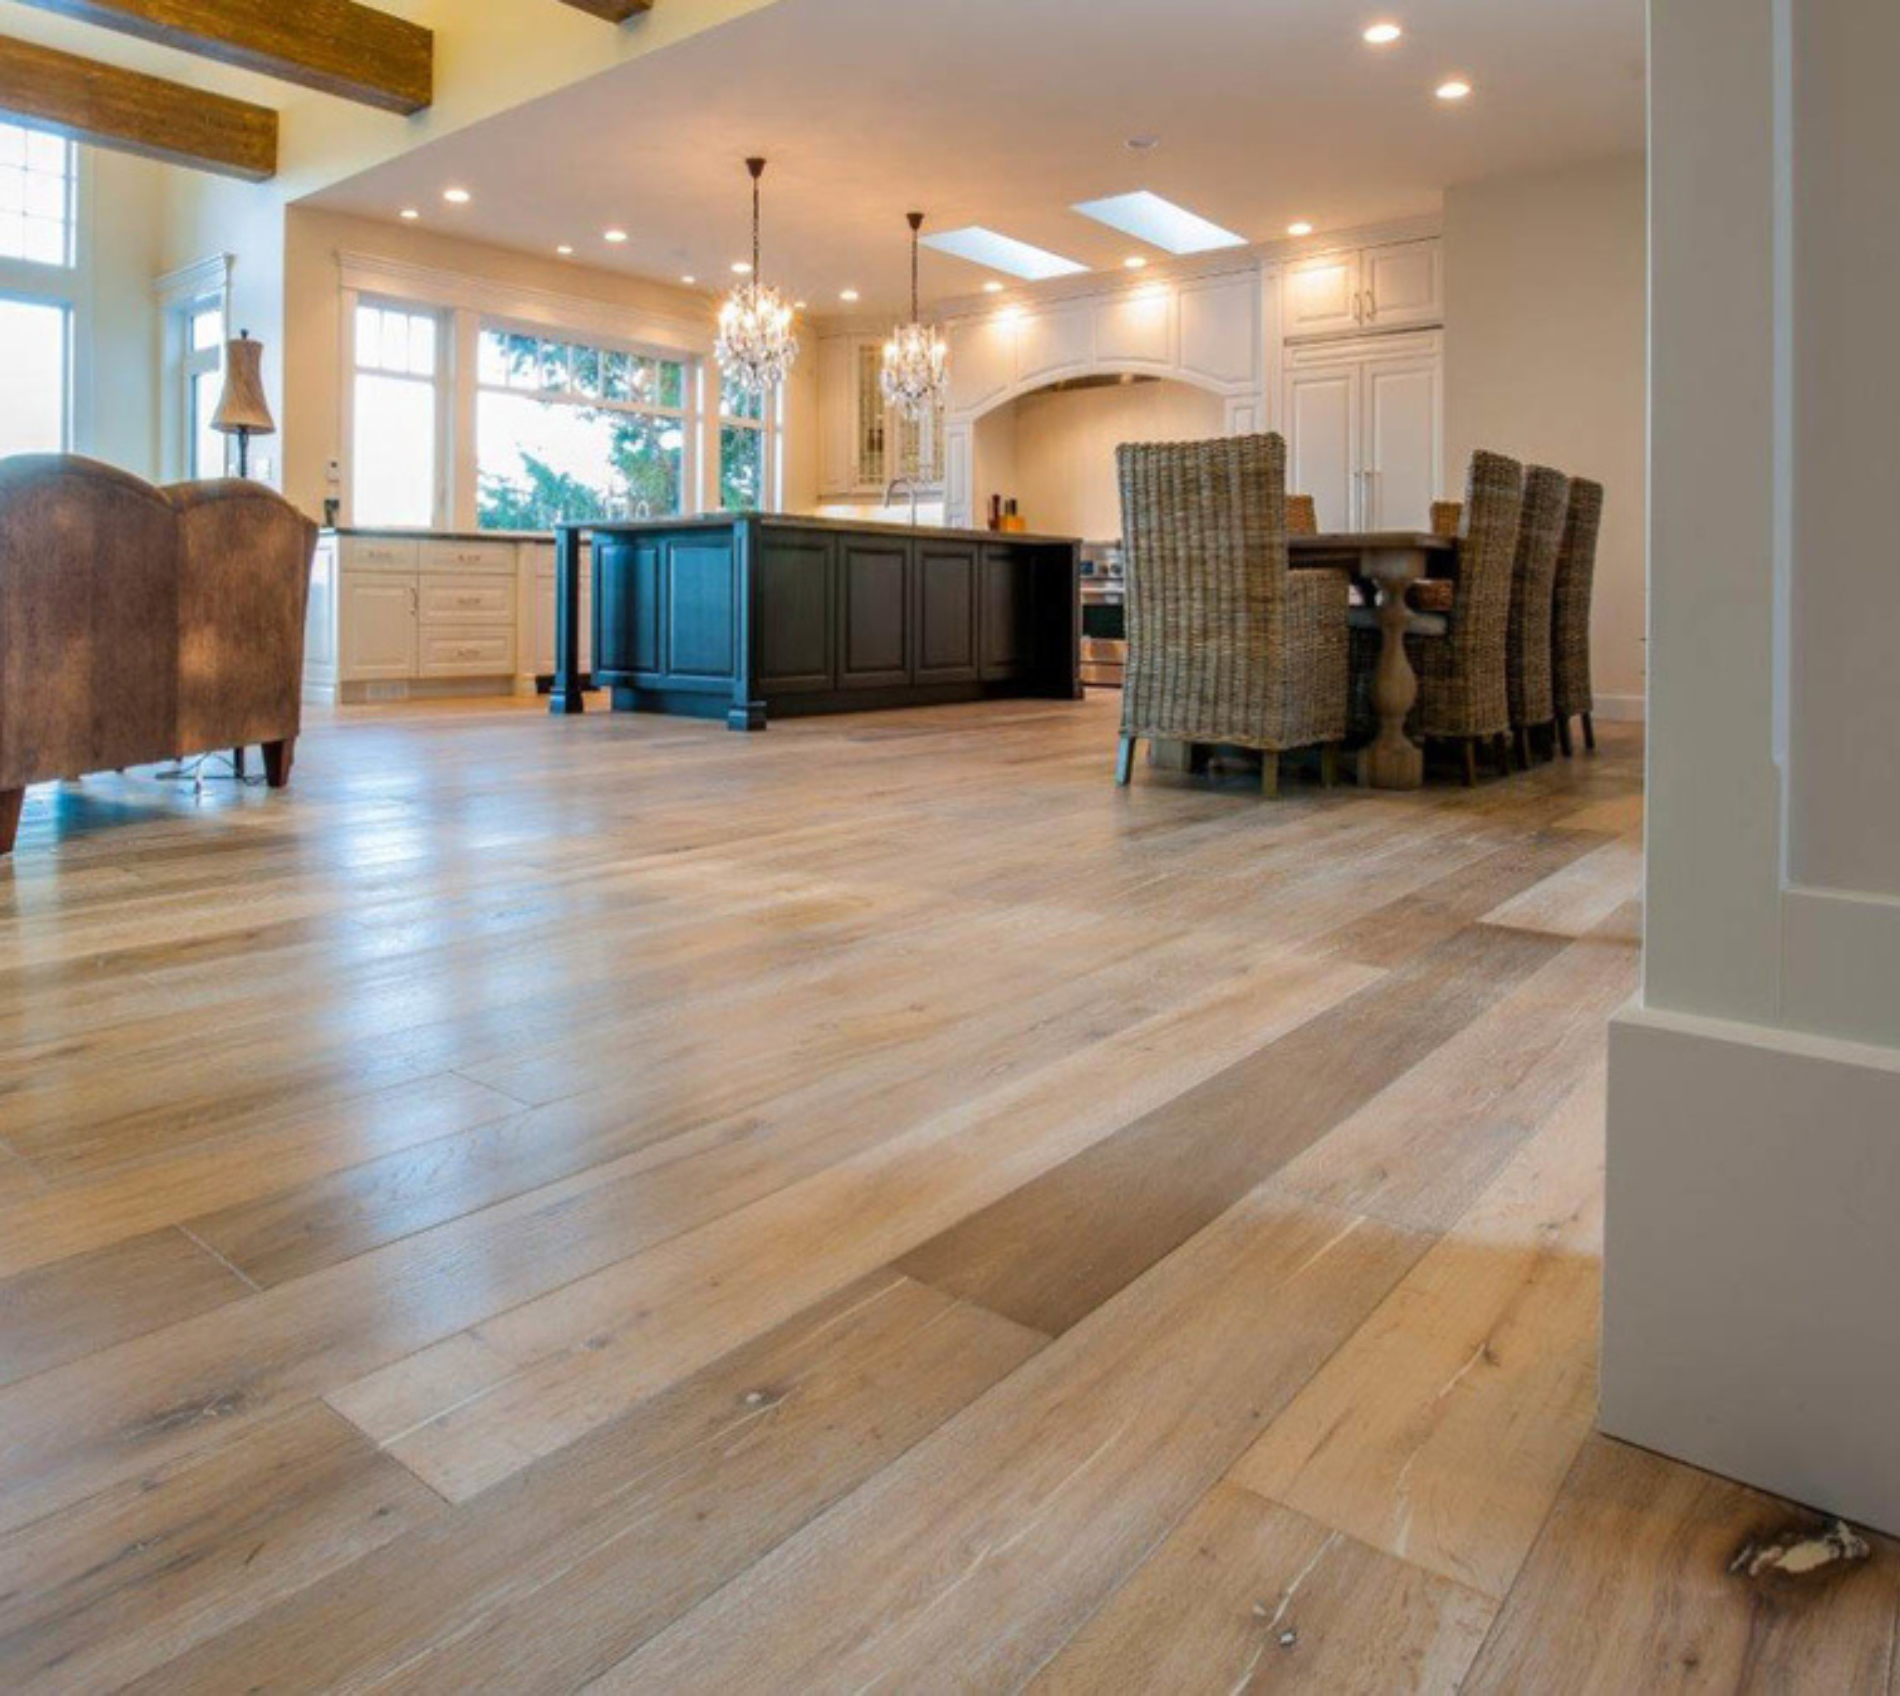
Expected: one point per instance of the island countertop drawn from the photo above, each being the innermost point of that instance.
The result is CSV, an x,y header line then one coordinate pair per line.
x,y
746,616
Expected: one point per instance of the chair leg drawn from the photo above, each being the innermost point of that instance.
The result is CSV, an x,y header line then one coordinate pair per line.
x,y
1501,754
1125,761
1468,748
1270,775
1563,738
1523,745
11,802
1329,766
278,759
1589,733
237,762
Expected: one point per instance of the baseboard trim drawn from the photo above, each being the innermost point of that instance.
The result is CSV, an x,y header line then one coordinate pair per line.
x,y
1622,709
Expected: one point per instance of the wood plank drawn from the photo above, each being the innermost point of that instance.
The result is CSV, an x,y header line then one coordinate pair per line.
x,y
1053,1250
613,11
335,46
1420,1152
65,1311
1441,1433
1641,1581
569,1566
1582,895
1248,1595
131,112
481,1404
93,1598
969,1562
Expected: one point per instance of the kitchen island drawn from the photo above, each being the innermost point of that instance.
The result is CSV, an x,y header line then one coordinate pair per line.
x,y
751,616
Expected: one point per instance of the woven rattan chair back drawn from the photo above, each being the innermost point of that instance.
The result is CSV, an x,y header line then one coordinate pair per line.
x,y
1540,540
1222,648
1576,578
1302,516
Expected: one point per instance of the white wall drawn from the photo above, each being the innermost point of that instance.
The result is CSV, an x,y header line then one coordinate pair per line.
x,y
1545,359
1065,442
1754,1166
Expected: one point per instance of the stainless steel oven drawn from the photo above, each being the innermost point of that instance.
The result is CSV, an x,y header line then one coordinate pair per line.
x,y
1104,632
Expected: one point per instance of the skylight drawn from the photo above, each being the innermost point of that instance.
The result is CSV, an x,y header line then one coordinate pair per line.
x,y
1003,253
1160,223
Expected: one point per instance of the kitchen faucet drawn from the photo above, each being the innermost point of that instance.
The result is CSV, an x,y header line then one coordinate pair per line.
x,y
909,483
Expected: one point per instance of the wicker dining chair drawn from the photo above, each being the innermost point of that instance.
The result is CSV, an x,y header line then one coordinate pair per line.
x,y
1540,540
1572,696
1460,658
1226,644
1447,517
1302,516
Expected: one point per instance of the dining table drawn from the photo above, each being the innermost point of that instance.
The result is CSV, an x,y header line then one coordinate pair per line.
x,y
1385,564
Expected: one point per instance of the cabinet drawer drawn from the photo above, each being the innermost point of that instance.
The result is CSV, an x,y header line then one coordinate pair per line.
x,y
488,600
496,558
375,553
468,653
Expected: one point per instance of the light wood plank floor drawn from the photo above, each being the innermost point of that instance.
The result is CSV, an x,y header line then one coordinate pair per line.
x,y
609,1202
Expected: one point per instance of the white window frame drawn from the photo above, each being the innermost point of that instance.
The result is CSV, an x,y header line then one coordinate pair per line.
x,y
181,294
688,412
64,285
465,301
772,428
443,383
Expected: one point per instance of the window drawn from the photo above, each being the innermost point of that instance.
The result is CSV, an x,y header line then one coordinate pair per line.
x,y
203,341
398,417
565,433
37,197
35,354
745,449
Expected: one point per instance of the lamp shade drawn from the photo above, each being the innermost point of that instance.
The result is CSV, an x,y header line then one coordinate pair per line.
x,y
242,408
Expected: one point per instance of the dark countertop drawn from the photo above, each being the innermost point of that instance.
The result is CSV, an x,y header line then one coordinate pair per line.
x,y
832,526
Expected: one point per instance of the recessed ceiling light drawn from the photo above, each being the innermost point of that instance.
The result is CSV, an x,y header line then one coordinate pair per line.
x,y
457,196
992,287
689,281
848,294
615,236
742,267
1456,89
798,306
565,251
1135,262
1383,35
1142,143
1302,228
1003,253
1160,223
410,214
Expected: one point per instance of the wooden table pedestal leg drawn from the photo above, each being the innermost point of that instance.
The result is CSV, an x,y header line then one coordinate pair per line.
x,y
1394,760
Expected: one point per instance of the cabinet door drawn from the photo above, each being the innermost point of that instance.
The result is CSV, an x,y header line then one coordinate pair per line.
x,y
793,619
1323,295
1404,285
946,612
540,620
1323,438
378,627
1007,613
872,427
874,616
1403,409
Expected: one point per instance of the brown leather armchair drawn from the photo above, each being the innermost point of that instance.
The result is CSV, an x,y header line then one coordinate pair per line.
x,y
140,624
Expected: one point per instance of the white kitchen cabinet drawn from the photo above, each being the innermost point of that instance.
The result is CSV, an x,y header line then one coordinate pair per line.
x,y
1364,422
378,629
1393,286
397,615
863,443
543,612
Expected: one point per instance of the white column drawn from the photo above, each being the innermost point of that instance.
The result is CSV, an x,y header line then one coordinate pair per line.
x,y
1754,1152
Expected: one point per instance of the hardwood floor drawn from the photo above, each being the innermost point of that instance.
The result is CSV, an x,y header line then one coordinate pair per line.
x,y
610,1202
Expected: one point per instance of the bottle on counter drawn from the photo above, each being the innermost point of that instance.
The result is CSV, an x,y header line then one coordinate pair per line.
x,y
1013,520
996,512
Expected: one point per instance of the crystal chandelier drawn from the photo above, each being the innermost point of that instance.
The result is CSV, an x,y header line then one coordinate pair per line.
x,y
916,361
755,346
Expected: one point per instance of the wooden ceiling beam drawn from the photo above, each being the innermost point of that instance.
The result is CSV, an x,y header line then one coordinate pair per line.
x,y
133,113
614,11
336,46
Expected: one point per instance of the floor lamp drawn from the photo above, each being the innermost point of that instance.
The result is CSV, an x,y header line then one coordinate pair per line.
x,y
242,409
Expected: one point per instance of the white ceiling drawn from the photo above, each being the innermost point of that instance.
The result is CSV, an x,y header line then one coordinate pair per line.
x,y
1006,112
